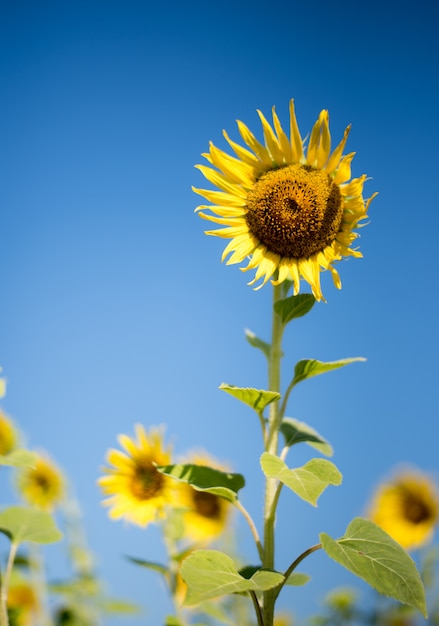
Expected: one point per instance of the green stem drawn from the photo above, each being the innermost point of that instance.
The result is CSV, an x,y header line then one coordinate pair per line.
x,y
295,563
252,526
271,445
257,608
4,620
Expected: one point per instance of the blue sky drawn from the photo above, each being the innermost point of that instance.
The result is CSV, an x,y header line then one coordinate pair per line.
x,y
115,307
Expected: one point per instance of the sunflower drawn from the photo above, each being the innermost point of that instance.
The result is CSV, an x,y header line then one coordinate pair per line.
x,y
407,508
22,603
42,485
8,434
205,514
138,491
292,211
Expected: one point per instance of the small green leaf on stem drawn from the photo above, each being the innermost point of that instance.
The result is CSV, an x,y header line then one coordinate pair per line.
x,y
22,523
257,399
210,574
370,553
295,431
308,482
258,343
310,367
294,306
202,478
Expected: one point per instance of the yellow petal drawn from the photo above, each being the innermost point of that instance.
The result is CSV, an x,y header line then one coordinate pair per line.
x,y
220,197
282,139
218,179
244,155
343,172
253,143
271,141
295,138
335,157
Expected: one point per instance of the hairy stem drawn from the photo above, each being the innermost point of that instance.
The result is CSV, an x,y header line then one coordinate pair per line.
x,y
271,445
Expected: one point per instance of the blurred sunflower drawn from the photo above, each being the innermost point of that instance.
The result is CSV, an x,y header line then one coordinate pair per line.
x,y
43,485
407,508
22,604
138,491
8,434
292,211
205,515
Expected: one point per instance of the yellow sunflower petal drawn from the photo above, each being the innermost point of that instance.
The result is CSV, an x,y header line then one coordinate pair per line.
x,y
335,157
295,138
287,153
271,141
254,144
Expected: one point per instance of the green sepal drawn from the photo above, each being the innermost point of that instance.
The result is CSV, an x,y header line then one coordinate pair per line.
x,y
156,567
258,343
22,523
370,553
19,458
294,306
210,574
308,482
257,399
295,431
297,579
202,478
307,368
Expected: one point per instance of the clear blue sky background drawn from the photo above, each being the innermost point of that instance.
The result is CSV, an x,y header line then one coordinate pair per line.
x,y
115,308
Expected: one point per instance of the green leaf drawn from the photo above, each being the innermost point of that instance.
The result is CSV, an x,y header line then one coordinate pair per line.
x,y
202,478
19,458
294,306
171,620
295,431
119,607
157,567
258,343
22,523
257,399
367,551
209,574
297,579
308,482
310,367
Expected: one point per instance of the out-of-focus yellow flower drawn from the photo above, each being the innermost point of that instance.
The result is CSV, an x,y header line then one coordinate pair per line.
x,y
43,485
8,434
407,508
283,619
137,491
292,211
205,515
22,603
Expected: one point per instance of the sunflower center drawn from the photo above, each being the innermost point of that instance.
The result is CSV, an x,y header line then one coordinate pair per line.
x,y
206,504
147,480
415,510
42,482
295,211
